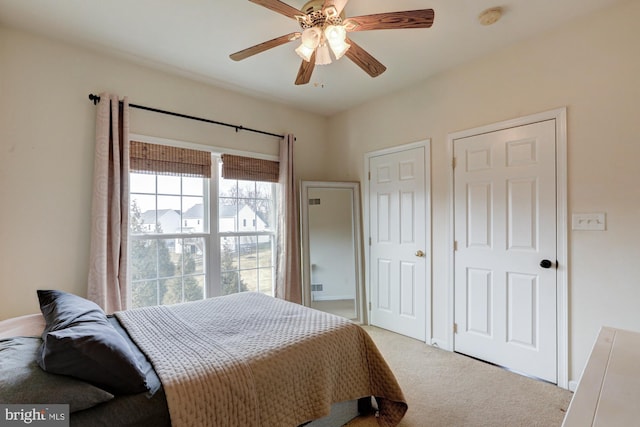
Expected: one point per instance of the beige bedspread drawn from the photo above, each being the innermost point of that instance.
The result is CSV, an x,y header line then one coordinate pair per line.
x,y
253,360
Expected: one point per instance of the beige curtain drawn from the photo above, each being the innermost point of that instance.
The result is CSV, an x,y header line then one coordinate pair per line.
x,y
107,285
288,277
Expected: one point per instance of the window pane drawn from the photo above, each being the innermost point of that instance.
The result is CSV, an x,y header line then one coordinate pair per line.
x,y
143,259
228,188
169,202
183,289
173,295
231,283
228,283
250,279
265,251
142,183
264,189
169,184
228,216
248,252
192,186
142,214
193,256
168,214
193,288
167,271
247,215
176,265
247,207
193,215
265,281
169,255
246,189
263,215
144,294
229,253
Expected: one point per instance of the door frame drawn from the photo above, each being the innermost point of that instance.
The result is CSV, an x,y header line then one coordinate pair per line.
x,y
426,144
562,272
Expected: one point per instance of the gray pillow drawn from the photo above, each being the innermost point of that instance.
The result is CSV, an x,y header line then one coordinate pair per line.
x,y
22,381
79,341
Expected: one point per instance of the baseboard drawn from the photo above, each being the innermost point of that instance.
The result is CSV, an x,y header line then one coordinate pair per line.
x,y
331,298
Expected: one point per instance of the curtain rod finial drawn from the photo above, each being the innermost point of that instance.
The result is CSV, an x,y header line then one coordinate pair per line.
x,y
94,98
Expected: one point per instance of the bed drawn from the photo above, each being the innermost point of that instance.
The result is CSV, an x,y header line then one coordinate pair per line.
x,y
240,360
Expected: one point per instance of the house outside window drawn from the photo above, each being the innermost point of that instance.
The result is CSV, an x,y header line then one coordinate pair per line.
x,y
189,237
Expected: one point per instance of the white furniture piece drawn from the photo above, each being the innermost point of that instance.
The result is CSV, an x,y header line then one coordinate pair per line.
x,y
608,393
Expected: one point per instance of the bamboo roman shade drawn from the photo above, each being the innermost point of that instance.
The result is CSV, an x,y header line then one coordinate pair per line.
x,y
166,160
250,169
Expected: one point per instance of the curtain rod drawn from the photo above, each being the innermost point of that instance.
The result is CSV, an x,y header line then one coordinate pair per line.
x,y
95,99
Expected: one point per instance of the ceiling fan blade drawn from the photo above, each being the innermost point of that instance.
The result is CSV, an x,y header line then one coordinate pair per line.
x,y
392,20
305,71
250,51
338,4
364,60
280,7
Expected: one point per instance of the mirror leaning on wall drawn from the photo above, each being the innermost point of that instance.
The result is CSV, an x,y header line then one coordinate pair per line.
x,y
331,248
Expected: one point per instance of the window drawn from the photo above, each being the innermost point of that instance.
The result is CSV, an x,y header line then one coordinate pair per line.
x,y
189,235
167,244
247,253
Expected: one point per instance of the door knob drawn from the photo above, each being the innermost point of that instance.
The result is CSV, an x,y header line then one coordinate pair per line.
x,y
420,254
545,263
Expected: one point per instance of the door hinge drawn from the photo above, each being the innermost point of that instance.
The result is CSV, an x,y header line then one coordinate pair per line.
x,y
369,241
369,176
455,245
455,328
453,163
369,305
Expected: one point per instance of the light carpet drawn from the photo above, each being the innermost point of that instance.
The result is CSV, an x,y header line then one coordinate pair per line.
x,y
449,389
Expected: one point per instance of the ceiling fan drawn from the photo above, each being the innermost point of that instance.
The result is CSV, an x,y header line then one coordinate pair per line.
x,y
324,28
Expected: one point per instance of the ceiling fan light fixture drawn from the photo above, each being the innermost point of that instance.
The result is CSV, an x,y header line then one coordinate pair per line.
x,y
339,52
311,37
305,52
330,11
335,33
323,57
336,36
339,49
303,20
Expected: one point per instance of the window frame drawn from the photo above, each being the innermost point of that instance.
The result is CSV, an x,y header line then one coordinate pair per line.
x,y
212,238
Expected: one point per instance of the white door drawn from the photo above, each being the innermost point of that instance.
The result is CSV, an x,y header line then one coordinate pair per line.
x,y
505,248
398,252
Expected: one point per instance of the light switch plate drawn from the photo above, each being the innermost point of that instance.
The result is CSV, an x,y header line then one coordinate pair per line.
x,y
589,221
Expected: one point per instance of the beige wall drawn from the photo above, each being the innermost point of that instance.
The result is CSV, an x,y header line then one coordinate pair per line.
x,y
593,68
46,150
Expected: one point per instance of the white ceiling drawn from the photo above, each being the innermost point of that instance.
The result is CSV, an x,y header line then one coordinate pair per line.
x,y
195,37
